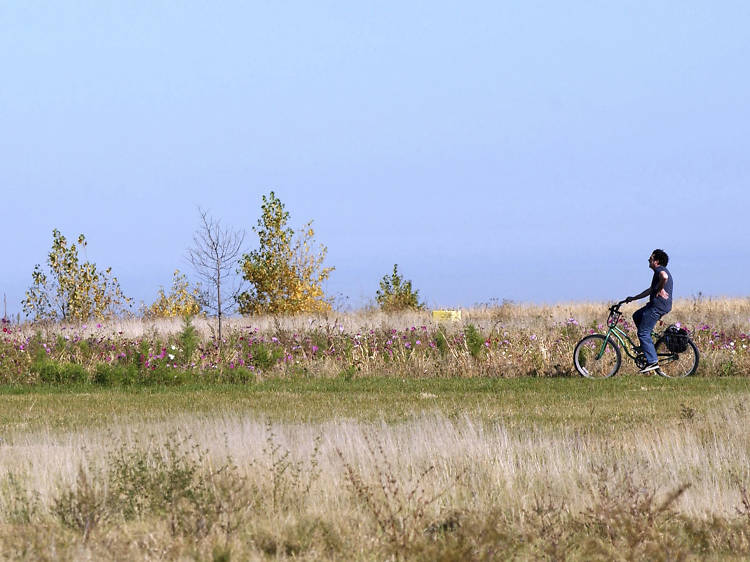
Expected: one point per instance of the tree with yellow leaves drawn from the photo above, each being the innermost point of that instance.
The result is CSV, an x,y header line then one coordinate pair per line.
x,y
180,301
72,291
286,272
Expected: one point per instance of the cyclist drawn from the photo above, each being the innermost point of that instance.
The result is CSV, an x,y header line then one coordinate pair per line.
x,y
659,303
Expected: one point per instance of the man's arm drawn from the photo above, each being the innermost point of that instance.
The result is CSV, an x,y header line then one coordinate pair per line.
x,y
660,287
645,293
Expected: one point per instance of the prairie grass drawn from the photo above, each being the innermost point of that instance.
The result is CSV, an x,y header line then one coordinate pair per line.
x,y
454,469
728,313
505,341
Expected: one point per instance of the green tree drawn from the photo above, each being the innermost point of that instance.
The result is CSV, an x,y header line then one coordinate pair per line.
x,y
286,271
71,290
395,293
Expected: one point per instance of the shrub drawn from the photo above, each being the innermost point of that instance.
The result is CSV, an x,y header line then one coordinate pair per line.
x,y
180,301
396,294
265,356
84,506
53,372
188,339
474,341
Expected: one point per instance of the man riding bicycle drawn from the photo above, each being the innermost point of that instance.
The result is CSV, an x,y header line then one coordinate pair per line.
x,y
659,303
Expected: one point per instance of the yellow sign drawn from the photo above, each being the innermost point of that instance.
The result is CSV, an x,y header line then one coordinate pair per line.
x,y
446,315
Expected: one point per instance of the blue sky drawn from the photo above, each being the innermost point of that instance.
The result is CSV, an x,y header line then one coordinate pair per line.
x,y
532,151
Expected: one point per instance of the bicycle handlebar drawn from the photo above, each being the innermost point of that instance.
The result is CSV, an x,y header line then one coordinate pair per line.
x,y
614,314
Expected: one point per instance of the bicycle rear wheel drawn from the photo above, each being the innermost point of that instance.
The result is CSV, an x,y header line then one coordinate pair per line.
x,y
596,357
677,365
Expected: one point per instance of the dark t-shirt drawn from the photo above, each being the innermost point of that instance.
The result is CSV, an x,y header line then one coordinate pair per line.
x,y
660,303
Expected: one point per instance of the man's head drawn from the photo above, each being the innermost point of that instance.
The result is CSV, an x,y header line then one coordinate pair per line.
x,y
658,257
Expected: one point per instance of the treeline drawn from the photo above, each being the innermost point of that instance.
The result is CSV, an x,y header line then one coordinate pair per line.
x,y
284,274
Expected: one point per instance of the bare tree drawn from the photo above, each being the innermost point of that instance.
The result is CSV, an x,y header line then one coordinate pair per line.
x,y
215,254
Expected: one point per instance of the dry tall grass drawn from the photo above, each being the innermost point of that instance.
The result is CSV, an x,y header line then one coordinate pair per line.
x,y
360,490
727,313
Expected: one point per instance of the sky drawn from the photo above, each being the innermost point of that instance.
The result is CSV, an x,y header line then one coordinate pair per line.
x,y
530,151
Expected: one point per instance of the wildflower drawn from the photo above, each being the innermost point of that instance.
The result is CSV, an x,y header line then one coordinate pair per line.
x,y
418,342
171,357
314,348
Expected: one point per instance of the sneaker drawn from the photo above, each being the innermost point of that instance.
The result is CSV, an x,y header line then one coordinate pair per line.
x,y
649,368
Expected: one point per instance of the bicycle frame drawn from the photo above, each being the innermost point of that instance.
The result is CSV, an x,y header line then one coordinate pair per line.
x,y
631,349
622,337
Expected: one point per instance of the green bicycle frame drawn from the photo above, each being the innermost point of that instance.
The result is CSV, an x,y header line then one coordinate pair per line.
x,y
620,336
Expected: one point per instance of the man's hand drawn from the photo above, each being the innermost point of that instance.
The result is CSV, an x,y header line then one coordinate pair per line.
x,y
663,294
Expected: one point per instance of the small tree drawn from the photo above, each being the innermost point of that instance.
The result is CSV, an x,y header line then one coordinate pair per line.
x,y
214,256
395,293
180,301
286,272
71,290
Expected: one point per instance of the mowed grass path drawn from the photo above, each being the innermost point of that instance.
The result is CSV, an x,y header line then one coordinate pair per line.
x,y
592,406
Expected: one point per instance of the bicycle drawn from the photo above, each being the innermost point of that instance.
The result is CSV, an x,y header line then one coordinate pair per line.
x,y
598,356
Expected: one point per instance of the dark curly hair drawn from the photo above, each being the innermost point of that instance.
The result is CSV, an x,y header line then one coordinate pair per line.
x,y
661,256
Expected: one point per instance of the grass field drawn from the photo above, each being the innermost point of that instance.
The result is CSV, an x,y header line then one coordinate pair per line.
x,y
371,437
633,467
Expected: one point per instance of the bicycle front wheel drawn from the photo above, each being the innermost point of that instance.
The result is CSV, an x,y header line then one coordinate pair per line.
x,y
596,357
677,365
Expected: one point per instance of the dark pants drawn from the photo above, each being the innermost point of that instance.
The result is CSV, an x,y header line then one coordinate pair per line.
x,y
645,319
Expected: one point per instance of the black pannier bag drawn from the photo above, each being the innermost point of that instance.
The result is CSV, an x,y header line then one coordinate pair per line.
x,y
676,339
